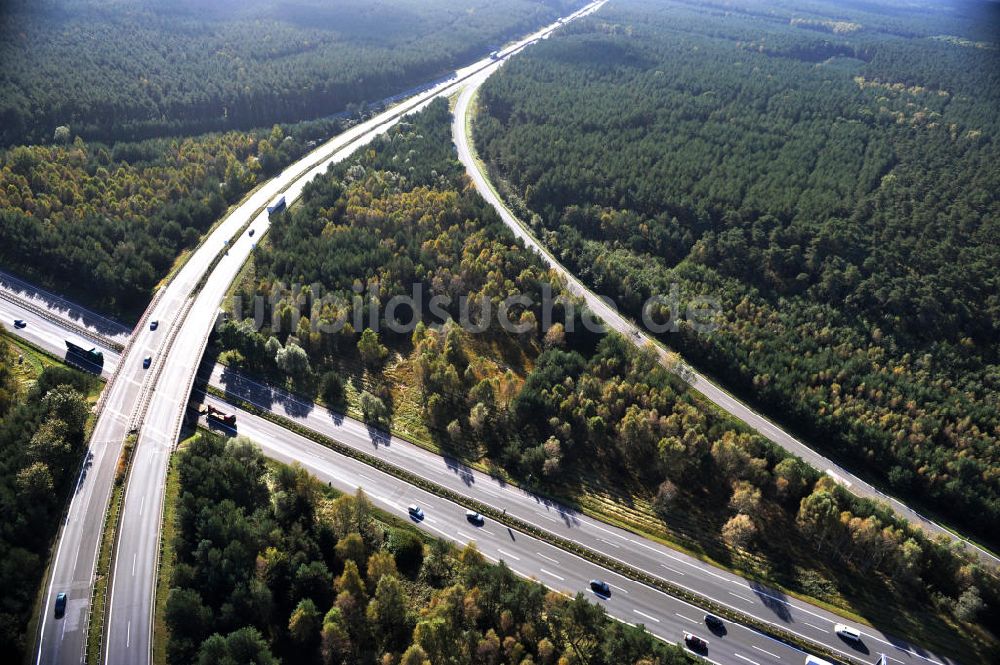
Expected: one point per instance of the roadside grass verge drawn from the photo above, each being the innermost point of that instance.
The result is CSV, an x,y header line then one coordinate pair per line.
x,y
34,361
168,558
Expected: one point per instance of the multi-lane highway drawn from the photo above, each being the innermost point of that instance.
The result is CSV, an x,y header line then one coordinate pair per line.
x,y
753,599
176,358
664,616
154,400
631,331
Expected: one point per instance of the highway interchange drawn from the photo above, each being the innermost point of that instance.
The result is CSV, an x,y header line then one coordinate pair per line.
x,y
155,401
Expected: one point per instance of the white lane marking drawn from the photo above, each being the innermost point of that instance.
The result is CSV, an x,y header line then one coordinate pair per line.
x,y
610,543
445,533
142,503
547,558
815,626
548,517
615,586
133,563
369,479
663,565
508,554
548,572
601,528
686,618
643,614
128,634
746,659
773,655
749,600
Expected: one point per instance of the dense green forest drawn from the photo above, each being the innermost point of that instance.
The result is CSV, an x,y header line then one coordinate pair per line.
x,y
106,222
571,411
136,69
43,418
828,173
272,567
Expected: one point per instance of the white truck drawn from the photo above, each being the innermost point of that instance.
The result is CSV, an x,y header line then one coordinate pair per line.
x,y
813,660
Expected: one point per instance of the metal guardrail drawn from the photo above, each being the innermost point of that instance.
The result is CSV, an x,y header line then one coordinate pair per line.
x,y
82,331
111,562
149,386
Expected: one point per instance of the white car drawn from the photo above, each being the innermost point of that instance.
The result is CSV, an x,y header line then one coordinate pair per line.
x,y
415,511
847,632
474,517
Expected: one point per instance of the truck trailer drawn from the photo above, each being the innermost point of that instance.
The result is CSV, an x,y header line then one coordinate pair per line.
x,y
228,419
92,356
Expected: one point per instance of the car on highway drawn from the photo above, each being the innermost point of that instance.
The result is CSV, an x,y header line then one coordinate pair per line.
x,y
153,325
695,643
847,633
600,587
60,604
147,361
475,517
19,323
714,622
415,511
251,233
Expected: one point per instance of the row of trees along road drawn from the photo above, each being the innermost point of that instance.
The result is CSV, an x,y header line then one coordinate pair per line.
x,y
832,183
271,567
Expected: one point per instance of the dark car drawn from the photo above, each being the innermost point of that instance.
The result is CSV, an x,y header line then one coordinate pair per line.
x,y
600,587
695,643
153,325
147,361
415,511
19,323
475,517
251,233
714,622
60,604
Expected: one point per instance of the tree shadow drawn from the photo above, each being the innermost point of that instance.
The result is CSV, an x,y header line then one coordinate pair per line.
x,y
774,600
72,311
464,471
378,436
239,386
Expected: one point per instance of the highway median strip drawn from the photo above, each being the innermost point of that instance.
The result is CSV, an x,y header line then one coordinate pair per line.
x,y
514,523
106,556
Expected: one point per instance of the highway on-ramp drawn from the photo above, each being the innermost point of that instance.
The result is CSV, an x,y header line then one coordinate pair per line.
x,y
615,321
